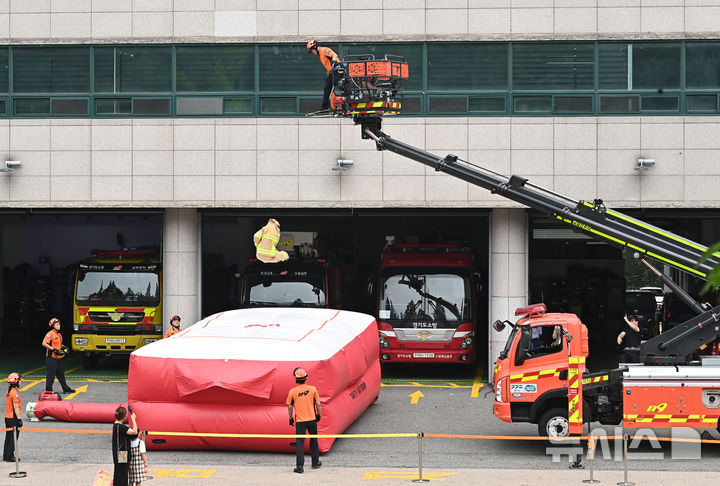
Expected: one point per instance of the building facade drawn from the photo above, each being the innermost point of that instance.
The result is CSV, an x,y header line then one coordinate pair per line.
x,y
108,107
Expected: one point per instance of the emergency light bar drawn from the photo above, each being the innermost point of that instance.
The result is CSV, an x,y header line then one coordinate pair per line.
x,y
532,309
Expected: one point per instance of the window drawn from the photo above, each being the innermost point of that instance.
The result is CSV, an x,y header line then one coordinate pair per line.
x,y
290,68
655,66
215,68
133,69
51,70
543,66
543,340
702,66
413,54
613,66
4,69
466,67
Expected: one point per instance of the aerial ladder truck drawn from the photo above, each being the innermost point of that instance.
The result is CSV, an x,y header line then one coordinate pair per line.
x,y
540,377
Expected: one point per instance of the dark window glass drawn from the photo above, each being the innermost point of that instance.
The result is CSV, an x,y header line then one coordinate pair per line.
x,y
477,104
619,104
413,54
113,106
69,107
573,104
290,68
32,106
458,67
51,69
553,66
702,66
215,69
132,69
151,107
442,104
707,103
238,105
308,105
199,106
4,69
660,103
527,104
613,66
3,107
410,105
656,66
278,105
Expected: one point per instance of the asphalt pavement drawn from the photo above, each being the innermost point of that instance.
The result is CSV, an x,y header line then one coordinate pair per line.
x,y
462,406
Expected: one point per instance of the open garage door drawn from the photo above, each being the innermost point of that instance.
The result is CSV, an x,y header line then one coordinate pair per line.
x,y
38,254
349,241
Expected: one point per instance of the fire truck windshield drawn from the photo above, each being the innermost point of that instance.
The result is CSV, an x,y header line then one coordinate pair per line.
x,y
437,298
286,289
118,289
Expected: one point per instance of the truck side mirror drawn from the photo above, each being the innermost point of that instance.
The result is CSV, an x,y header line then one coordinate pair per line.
x,y
498,325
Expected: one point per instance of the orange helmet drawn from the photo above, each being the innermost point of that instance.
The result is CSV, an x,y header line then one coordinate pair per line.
x,y
13,379
312,44
299,373
53,321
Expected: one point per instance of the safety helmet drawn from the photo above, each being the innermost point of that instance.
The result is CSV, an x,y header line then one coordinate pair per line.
x,y
13,379
300,374
53,321
175,318
312,44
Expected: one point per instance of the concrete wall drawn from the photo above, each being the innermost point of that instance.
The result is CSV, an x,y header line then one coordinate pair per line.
x,y
229,20
288,162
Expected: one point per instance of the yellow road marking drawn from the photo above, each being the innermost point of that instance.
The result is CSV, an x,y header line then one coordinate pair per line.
x,y
374,475
477,384
182,473
30,385
416,385
415,397
80,389
74,369
37,369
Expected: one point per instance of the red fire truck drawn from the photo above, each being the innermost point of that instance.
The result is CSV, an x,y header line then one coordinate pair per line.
x,y
426,303
540,376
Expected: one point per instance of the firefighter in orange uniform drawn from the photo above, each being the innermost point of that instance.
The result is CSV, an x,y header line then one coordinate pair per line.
x,y
13,412
306,401
330,61
54,353
174,327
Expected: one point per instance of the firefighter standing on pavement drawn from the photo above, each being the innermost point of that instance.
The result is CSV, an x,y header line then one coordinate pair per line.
x,y
54,353
328,58
174,327
13,412
306,401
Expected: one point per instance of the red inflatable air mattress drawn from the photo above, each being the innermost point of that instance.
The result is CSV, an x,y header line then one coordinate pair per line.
x,y
231,373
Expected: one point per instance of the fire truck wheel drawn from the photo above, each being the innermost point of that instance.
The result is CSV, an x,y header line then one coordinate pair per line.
x,y
554,423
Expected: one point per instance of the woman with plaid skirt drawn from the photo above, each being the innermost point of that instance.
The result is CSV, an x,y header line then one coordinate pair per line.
x,y
138,461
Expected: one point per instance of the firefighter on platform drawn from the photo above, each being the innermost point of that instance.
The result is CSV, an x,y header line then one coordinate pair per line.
x,y
13,412
54,353
306,401
174,327
331,62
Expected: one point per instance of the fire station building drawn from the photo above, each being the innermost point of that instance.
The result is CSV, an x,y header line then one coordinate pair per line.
x,y
182,125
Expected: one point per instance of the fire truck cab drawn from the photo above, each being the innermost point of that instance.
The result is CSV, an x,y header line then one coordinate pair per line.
x,y
426,304
117,303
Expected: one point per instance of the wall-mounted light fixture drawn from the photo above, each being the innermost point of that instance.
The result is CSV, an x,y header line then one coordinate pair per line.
x,y
11,165
644,164
343,165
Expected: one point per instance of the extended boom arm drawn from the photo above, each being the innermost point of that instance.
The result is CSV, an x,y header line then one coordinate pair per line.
x,y
673,347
